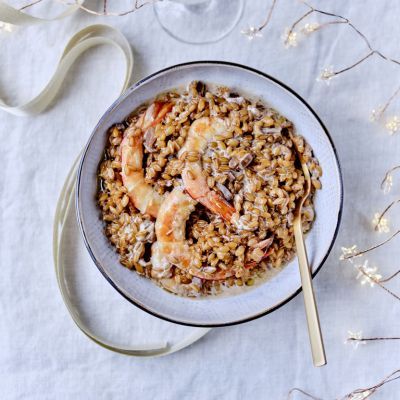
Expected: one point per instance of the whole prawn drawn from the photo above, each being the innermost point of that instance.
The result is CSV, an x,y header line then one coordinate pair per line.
x,y
201,132
170,230
142,195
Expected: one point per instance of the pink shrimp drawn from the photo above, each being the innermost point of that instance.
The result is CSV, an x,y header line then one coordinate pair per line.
x,y
201,132
142,195
170,230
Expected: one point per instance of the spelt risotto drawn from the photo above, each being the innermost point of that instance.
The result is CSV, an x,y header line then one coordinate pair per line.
x,y
197,190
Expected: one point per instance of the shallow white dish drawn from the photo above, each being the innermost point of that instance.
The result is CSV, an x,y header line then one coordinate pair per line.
x,y
262,299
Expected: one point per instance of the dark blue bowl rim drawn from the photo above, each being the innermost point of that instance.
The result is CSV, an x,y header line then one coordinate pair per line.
x,y
110,110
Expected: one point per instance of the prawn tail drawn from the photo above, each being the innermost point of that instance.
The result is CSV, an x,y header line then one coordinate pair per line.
x,y
217,204
252,264
165,109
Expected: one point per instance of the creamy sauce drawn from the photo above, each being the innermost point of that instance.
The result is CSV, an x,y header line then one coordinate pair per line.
x,y
269,273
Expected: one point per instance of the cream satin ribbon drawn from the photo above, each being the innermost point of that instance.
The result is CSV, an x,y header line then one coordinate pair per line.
x,y
86,38
83,40
64,203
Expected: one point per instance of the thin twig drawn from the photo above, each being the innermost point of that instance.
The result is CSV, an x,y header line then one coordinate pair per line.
x,y
366,41
384,213
388,174
268,19
363,339
291,29
378,282
344,19
331,23
390,277
355,64
361,252
366,392
136,7
386,289
310,396
30,4
339,19
371,390
389,101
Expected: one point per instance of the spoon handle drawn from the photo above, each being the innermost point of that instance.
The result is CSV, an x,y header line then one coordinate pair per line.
x,y
314,329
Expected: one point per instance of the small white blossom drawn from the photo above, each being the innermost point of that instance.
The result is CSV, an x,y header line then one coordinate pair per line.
x,y
381,224
393,124
367,274
376,114
354,338
347,252
251,32
387,184
326,74
310,28
6,27
290,38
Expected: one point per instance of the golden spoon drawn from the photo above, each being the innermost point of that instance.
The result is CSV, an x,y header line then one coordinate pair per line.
x,y
314,329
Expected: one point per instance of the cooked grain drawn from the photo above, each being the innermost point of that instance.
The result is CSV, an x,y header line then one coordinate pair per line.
x,y
254,166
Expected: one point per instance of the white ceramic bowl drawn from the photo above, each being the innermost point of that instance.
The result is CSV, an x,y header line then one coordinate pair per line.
x,y
262,299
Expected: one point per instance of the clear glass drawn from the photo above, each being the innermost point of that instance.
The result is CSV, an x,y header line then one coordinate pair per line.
x,y
198,21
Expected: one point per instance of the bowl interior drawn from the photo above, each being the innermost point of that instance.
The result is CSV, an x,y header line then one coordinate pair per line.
x,y
262,298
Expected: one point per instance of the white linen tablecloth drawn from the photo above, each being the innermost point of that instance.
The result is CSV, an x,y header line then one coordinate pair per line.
x,y
44,356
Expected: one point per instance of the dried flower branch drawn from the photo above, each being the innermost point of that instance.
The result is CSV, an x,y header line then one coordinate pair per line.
x,y
310,396
290,39
371,53
373,278
342,20
361,252
368,392
354,338
368,274
252,32
380,223
390,277
371,339
292,28
393,124
387,181
358,394
380,218
377,114
137,5
348,253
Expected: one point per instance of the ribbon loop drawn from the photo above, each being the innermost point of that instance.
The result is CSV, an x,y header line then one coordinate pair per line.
x,y
83,40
